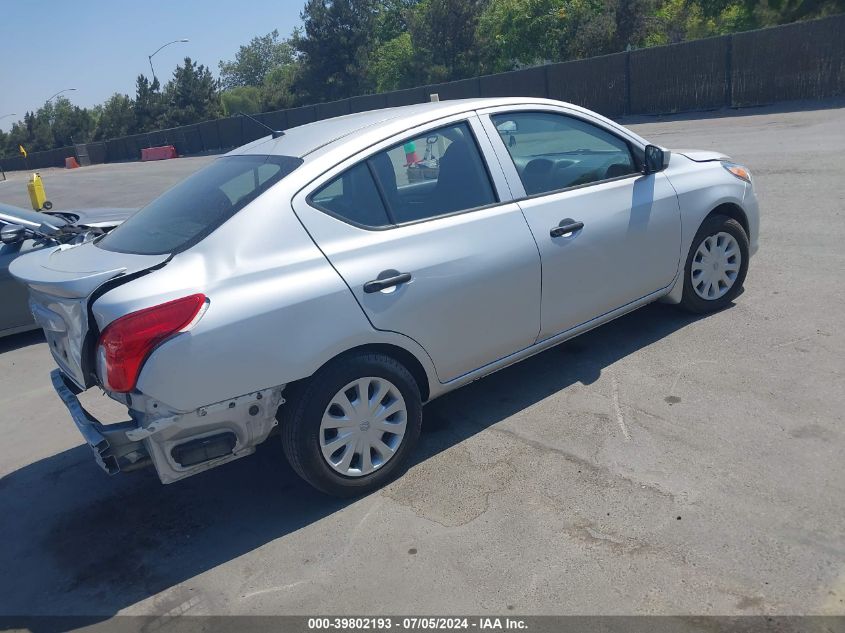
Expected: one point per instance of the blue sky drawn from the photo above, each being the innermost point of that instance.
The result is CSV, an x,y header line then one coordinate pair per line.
x,y
100,47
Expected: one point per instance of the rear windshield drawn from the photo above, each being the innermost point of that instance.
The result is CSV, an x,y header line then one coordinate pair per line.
x,y
183,215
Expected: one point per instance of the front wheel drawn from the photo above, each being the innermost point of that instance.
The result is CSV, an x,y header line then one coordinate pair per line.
x,y
716,265
352,427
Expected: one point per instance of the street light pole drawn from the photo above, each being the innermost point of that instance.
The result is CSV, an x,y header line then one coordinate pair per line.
x,y
58,93
150,57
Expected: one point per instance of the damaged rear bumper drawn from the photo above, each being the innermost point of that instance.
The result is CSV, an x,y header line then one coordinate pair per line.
x,y
178,444
113,450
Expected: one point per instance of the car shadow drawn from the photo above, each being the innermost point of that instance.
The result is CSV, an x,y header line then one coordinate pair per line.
x,y
18,341
77,542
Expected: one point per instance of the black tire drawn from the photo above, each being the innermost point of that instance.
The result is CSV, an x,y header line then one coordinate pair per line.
x,y
691,301
301,416
48,205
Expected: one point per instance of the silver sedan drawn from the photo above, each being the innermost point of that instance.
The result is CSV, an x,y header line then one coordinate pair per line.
x,y
327,281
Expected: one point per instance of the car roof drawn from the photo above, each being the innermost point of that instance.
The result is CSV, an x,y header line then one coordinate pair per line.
x,y
305,139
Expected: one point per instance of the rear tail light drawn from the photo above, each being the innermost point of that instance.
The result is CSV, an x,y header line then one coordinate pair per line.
x,y
126,342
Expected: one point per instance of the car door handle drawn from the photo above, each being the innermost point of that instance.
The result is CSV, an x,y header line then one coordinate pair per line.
x,y
566,226
394,279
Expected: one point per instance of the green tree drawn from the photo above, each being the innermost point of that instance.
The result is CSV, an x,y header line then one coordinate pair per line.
x,y
246,99
391,19
770,12
335,45
392,66
513,33
148,106
117,118
280,87
18,135
630,22
69,123
254,61
191,96
680,20
391,63
39,134
444,38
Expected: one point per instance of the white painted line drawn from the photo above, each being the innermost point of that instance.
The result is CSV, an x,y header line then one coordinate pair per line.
x,y
274,589
617,408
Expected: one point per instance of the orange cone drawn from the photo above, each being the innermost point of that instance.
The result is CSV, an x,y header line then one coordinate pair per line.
x,y
70,163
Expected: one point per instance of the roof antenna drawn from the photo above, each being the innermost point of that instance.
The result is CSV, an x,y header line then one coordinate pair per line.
x,y
273,133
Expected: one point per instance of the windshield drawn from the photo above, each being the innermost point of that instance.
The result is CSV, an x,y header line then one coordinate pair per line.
x,y
191,210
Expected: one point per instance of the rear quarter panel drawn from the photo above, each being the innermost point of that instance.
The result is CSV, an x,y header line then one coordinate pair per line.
x,y
278,311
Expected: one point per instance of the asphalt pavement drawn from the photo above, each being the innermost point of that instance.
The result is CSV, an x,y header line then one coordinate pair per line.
x,y
661,464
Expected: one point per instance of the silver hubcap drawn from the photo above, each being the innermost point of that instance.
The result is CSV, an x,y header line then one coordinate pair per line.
x,y
363,426
715,266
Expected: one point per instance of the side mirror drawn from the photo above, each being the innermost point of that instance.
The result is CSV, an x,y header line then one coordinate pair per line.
x,y
655,159
12,233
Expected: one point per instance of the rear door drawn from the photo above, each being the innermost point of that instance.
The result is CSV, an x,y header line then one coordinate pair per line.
x,y
607,234
424,236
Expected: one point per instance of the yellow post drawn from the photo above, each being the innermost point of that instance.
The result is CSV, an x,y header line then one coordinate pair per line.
x,y
37,195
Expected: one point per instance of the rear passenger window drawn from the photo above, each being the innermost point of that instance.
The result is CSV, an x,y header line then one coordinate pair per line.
x,y
439,173
353,196
553,151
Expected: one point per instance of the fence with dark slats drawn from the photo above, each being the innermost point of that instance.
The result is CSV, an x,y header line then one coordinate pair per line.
x,y
530,82
679,78
798,61
461,89
598,83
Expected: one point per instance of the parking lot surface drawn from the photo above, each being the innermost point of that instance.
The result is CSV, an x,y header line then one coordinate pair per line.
x,y
660,464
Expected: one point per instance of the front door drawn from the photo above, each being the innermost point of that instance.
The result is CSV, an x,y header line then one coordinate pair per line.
x,y
419,235
607,235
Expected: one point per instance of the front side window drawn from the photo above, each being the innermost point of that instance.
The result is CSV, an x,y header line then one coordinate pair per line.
x,y
436,174
439,173
183,215
553,151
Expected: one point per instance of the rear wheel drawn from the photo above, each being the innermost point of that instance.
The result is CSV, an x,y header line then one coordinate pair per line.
x,y
716,265
352,427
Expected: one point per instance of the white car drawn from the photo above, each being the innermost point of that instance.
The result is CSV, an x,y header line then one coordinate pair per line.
x,y
332,278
